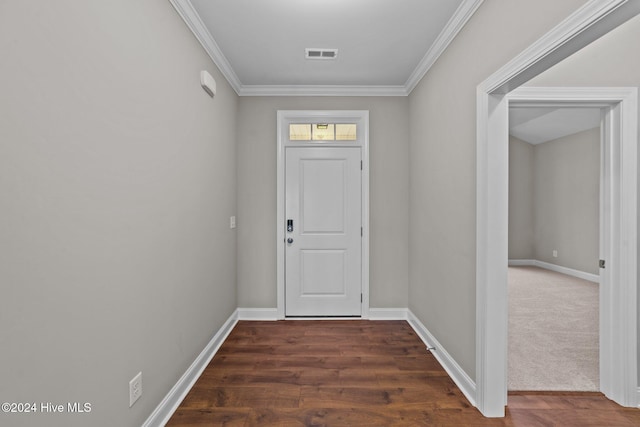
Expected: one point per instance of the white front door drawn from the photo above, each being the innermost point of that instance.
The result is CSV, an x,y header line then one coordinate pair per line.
x,y
323,261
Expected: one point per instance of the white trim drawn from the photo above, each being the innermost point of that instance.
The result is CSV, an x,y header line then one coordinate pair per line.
x,y
464,12
257,313
163,412
190,16
569,96
619,363
588,23
321,90
491,255
457,374
353,116
557,268
522,262
618,298
569,271
388,313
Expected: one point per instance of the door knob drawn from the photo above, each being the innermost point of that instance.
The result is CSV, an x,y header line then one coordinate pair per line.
x,y
289,240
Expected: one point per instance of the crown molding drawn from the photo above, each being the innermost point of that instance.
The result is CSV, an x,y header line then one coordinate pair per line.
x,y
321,90
190,16
464,12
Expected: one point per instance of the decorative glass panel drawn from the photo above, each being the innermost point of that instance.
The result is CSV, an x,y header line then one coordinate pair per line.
x,y
346,132
323,132
300,132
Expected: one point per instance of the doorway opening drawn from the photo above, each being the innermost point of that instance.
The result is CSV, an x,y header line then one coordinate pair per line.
x,y
322,237
618,237
553,277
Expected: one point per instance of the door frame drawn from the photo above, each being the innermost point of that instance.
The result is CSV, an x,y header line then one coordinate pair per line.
x,y
587,24
284,118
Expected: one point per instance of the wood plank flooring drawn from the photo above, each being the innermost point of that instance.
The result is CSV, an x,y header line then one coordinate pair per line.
x,y
358,373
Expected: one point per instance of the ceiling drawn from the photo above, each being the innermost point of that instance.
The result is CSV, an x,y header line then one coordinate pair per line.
x,y
384,46
537,125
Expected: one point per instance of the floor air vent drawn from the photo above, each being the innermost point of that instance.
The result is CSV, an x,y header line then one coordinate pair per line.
x,y
320,53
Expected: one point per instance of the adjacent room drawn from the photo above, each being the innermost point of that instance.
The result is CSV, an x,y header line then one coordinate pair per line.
x,y
554,231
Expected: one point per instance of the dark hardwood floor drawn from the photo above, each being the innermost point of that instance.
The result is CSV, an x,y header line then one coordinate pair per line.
x,y
358,373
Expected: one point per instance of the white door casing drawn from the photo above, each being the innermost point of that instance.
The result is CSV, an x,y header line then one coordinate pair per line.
x,y
323,250
288,148
618,241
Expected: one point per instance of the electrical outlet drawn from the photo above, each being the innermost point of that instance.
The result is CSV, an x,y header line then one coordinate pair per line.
x,y
135,389
232,222
555,253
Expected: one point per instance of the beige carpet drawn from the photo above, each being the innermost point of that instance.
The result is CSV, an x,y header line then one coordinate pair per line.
x,y
553,331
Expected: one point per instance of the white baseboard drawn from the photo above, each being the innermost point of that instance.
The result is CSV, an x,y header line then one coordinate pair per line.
x,y
257,314
522,262
388,314
557,268
163,412
457,374
272,314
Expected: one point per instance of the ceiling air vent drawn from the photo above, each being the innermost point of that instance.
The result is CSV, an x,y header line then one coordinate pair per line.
x,y
320,53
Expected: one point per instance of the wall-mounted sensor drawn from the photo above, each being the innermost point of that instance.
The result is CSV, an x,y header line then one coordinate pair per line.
x,y
208,83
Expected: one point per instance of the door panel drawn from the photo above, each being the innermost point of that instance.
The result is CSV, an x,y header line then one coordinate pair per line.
x,y
322,272
323,195
324,258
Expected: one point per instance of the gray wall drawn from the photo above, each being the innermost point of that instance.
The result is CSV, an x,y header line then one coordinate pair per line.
x,y
567,201
389,194
521,221
442,273
554,200
117,180
612,60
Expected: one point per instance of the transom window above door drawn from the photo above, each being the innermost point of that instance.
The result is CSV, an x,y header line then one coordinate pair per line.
x,y
322,132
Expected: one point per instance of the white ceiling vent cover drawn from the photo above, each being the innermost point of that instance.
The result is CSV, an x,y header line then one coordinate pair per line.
x,y
312,53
